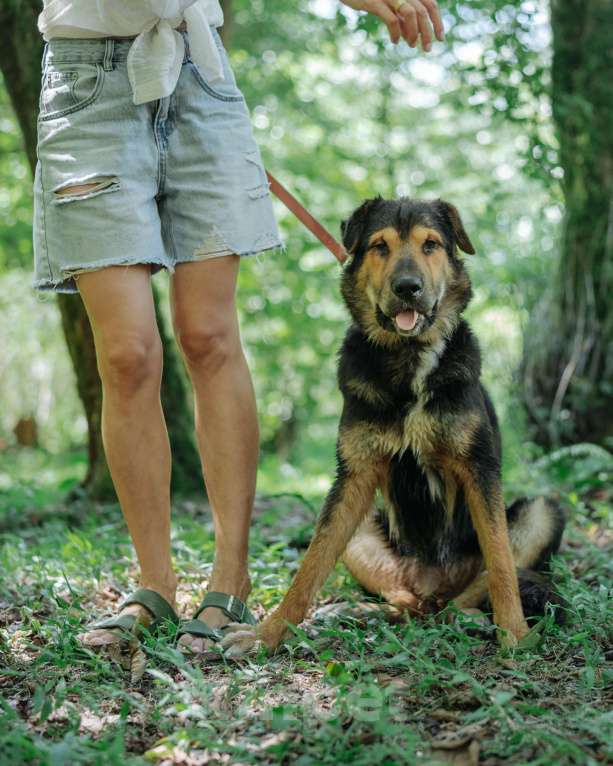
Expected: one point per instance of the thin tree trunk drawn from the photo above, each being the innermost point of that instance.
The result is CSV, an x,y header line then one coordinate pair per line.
x,y
20,56
228,15
568,358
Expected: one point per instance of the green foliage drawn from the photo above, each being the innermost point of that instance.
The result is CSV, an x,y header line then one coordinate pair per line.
x,y
340,115
15,193
35,369
503,49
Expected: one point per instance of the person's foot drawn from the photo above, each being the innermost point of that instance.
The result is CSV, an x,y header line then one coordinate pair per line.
x,y
114,639
212,616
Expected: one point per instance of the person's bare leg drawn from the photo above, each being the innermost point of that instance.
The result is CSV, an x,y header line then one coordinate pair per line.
x,y
206,327
119,303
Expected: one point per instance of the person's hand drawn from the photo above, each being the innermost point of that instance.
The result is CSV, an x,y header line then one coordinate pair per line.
x,y
409,19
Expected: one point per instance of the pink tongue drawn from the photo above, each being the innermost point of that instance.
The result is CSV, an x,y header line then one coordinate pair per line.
x,y
406,320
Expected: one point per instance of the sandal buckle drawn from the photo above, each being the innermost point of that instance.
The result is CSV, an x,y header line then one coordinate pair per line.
x,y
236,610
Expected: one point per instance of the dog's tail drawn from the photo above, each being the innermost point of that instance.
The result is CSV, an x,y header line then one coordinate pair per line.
x,y
536,526
536,591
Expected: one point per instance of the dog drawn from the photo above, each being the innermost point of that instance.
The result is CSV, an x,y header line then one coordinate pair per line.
x,y
418,426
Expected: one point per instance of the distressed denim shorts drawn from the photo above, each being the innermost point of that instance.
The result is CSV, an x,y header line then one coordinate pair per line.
x,y
176,180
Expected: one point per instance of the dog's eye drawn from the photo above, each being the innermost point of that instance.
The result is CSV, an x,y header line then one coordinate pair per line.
x,y
430,246
381,247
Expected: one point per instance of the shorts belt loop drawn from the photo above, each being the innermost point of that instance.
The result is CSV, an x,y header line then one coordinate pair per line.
x,y
188,54
109,48
44,56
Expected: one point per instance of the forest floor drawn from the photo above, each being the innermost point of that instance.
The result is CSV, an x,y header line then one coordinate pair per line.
x,y
352,686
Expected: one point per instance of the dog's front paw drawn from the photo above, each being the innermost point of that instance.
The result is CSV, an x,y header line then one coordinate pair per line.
x,y
510,635
241,640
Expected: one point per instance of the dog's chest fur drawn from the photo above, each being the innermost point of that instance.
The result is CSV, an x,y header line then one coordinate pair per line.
x,y
405,398
401,408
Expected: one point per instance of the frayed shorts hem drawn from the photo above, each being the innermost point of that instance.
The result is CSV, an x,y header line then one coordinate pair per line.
x,y
275,247
67,284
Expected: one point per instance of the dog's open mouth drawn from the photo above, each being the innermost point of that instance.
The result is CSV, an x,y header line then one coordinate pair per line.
x,y
406,320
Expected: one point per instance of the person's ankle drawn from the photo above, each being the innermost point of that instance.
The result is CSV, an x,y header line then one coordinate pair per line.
x,y
233,583
165,586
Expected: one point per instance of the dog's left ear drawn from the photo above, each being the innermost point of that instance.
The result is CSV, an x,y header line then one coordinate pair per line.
x,y
462,238
353,228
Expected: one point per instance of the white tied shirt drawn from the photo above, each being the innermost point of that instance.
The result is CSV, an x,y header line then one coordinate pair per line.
x,y
155,57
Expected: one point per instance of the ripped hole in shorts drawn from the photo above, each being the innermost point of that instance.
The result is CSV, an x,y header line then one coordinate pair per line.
x,y
214,245
78,191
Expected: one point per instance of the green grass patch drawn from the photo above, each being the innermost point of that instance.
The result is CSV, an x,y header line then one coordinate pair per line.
x,y
350,687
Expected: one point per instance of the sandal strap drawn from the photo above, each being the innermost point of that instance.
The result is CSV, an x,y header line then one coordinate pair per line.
x,y
198,628
124,621
156,604
230,605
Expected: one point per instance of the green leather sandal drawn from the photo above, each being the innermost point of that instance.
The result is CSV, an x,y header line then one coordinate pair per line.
x,y
161,610
231,606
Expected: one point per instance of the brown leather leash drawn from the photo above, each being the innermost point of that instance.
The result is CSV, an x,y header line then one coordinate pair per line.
x,y
303,215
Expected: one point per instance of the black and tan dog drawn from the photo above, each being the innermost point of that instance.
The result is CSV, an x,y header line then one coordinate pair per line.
x,y
418,425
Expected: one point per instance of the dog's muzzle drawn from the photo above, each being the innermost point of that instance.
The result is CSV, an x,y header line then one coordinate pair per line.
x,y
404,320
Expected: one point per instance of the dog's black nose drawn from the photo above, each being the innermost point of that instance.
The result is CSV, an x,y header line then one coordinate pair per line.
x,y
407,286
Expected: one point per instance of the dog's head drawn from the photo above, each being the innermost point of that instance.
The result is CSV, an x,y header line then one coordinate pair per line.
x,y
404,278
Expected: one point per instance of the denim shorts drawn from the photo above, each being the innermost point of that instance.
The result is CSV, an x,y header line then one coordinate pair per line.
x,y
176,180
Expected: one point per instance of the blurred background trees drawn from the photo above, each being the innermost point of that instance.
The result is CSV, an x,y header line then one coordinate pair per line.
x,y
510,119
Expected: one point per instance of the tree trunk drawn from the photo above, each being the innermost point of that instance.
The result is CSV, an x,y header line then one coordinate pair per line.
x,y
568,357
228,22
21,48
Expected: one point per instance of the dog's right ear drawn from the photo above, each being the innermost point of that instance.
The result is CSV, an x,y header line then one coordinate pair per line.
x,y
353,228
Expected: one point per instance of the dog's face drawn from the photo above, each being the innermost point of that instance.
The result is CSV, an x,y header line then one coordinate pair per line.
x,y
403,271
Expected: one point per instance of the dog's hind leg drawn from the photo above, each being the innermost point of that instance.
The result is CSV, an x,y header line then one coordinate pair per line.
x,y
379,569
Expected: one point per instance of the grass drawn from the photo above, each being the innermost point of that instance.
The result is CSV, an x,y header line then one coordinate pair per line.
x,y
352,685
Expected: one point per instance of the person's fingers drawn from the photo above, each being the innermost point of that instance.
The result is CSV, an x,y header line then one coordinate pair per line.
x,y
408,19
435,17
384,12
423,20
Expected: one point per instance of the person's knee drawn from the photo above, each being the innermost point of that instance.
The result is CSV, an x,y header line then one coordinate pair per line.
x,y
208,346
129,364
